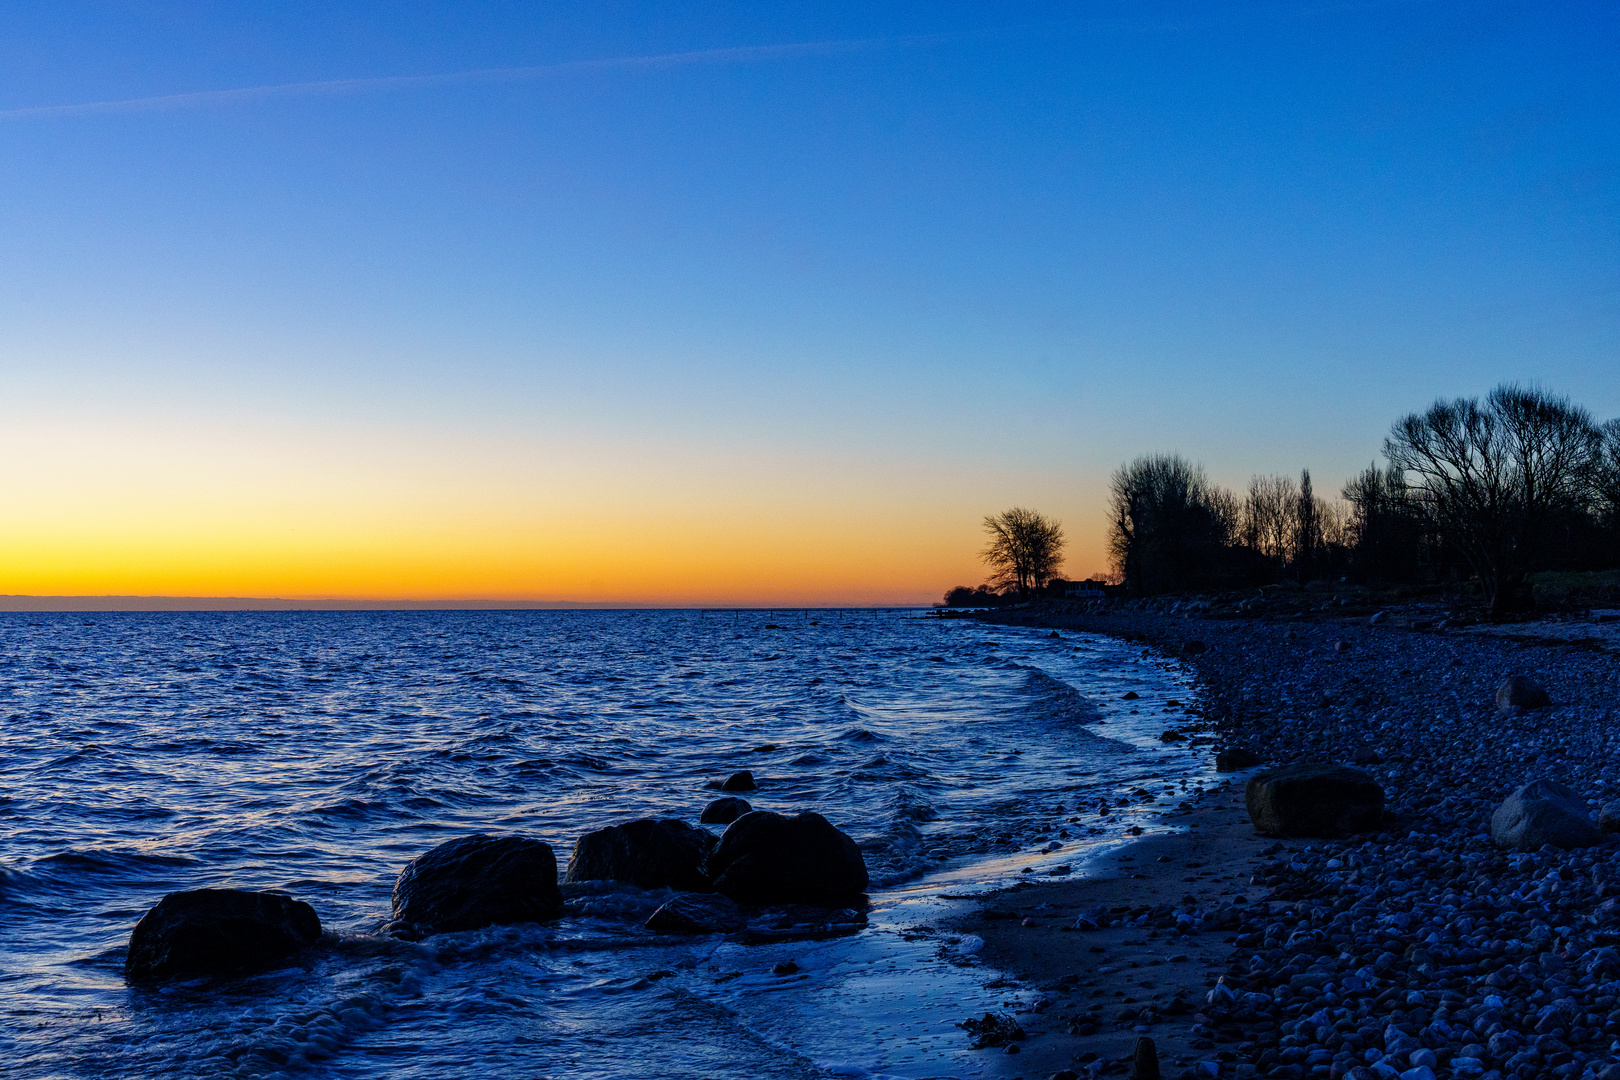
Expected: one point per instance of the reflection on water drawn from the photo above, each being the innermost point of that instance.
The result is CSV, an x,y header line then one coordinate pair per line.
x,y
318,752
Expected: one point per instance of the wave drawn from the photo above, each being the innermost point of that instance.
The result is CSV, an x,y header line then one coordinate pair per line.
x,y
1054,702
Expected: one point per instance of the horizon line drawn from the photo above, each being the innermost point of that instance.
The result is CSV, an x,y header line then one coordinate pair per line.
x,y
22,603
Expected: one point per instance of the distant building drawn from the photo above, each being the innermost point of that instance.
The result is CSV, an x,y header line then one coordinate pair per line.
x,y
1085,590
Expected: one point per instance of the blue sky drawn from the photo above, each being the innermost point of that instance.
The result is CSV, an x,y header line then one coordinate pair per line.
x,y
930,260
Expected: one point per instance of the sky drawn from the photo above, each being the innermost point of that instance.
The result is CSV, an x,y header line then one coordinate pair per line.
x,y
751,303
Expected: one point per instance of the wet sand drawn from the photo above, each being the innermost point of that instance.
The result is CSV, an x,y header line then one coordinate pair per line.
x,y
1091,976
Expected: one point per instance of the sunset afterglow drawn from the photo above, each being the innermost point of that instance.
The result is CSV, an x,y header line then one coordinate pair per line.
x,y
530,308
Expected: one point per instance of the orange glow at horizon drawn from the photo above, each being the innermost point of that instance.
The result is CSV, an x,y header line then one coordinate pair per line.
x,y
109,510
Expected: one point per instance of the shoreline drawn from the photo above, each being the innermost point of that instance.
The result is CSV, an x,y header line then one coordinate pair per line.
x,y
1418,949
1093,977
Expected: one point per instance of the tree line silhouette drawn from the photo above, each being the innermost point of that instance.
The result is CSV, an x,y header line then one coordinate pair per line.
x,y
1486,490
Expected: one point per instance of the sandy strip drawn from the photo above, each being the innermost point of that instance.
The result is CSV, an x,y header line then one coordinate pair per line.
x,y
1090,977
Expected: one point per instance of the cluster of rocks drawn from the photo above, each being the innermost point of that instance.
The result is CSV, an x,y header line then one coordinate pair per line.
x,y
763,859
1474,930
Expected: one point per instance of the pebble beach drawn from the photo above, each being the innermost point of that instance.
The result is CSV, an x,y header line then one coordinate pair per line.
x,y
1417,951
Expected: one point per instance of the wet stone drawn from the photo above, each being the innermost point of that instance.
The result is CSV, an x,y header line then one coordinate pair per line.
x,y
724,811
477,881
218,932
768,858
739,781
646,853
697,913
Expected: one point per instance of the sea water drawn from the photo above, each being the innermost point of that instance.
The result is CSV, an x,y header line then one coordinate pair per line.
x,y
318,752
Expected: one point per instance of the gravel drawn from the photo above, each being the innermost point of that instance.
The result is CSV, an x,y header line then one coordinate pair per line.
x,y
1418,951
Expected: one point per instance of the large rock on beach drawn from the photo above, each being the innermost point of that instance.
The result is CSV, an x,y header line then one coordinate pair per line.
x,y
769,858
1542,812
698,913
724,811
645,853
1521,692
218,932
477,881
1314,800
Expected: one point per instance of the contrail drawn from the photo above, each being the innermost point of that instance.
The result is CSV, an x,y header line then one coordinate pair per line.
x,y
205,98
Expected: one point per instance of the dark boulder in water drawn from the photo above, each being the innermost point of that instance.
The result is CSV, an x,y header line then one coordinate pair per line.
x,y
739,781
477,881
645,853
218,932
768,858
698,914
724,811
1314,800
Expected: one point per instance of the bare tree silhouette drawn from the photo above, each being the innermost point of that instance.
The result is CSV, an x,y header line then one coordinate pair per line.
x,y
1025,549
1170,526
1492,477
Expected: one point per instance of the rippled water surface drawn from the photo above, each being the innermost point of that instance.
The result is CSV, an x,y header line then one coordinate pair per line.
x,y
317,752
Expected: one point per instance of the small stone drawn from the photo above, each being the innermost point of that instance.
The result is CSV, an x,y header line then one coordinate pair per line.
x,y
1129,695
1609,816
1235,758
1378,619
996,1029
1172,736
1520,692
740,781
786,967
1145,1060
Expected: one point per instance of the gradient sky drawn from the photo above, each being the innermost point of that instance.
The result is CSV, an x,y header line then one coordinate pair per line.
x,y
753,303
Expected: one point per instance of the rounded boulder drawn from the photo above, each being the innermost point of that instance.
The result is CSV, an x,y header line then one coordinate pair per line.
x,y
218,932
769,858
1542,812
724,811
646,853
477,881
739,781
1314,800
